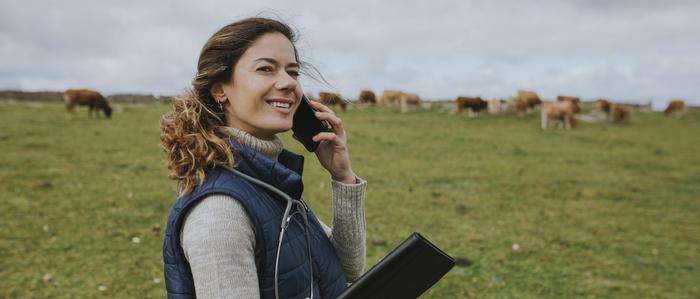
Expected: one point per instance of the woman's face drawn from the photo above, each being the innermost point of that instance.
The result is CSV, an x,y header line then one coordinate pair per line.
x,y
263,92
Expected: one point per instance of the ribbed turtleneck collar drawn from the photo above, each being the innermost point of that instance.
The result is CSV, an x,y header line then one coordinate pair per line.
x,y
270,148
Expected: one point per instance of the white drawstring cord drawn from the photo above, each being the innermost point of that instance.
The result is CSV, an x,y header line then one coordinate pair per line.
x,y
283,227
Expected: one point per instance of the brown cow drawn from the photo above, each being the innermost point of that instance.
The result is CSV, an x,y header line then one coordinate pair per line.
x,y
474,104
675,108
331,99
367,97
575,101
615,113
562,112
526,100
602,105
86,97
619,113
409,101
390,97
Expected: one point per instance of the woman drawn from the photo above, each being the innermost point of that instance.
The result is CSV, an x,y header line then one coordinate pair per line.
x,y
223,237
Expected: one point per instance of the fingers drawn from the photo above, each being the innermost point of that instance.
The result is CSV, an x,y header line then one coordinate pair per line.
x,y
330,137
335,122
325,113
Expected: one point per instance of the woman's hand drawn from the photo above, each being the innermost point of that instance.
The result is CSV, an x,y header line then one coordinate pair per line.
x,y
332,150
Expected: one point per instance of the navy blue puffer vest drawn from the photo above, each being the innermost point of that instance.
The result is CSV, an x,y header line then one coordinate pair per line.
x,y
265,210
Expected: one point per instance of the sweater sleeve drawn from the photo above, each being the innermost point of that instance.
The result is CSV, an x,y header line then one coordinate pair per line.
x,y
218,239
348,232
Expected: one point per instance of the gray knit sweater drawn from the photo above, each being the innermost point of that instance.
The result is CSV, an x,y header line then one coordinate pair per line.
x,y
219,239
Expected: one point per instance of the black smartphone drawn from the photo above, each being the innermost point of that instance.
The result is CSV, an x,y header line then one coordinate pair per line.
x,y
305,125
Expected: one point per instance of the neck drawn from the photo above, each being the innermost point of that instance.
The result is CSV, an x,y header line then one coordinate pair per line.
x,y
270,148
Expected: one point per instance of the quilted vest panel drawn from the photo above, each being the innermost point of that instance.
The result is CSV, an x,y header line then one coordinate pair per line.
x,y
265,210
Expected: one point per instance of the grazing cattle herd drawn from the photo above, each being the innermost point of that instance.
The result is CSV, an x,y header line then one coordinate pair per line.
x,y
564,112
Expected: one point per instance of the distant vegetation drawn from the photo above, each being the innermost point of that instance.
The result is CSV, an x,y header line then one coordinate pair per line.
x,y
56,96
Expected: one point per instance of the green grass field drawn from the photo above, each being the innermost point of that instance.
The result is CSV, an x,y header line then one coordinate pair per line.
x,y
598,212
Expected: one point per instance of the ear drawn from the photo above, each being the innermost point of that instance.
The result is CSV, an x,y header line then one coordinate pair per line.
x,y
217,92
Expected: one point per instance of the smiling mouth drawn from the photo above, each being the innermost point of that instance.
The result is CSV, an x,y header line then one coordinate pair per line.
x,y
280,104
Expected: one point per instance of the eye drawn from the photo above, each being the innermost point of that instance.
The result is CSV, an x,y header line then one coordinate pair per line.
x,y
264,69
293,73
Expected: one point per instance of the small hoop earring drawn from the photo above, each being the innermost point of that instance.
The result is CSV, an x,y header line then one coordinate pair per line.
x,y
221,107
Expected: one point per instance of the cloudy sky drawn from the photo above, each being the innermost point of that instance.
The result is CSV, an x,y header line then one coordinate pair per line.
x,y
625,50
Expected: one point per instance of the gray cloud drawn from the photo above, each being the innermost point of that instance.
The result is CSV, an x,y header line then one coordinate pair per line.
x,y
625,50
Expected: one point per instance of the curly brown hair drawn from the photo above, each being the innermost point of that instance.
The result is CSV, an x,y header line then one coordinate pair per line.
x,y
189,134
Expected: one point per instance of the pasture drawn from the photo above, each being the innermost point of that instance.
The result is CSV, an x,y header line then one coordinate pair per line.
x,y
602,211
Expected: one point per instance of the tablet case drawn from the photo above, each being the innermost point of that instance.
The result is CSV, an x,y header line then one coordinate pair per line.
x,y
407,272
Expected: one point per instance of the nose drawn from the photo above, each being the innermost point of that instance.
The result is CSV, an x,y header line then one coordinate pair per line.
x,y
286,82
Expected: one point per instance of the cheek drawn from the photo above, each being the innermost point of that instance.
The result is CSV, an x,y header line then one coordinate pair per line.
x,y
248,97
298,94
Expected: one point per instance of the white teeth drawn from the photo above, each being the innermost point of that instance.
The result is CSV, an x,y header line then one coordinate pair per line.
x,y
280,104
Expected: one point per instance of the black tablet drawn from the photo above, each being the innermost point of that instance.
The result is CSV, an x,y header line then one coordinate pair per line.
x,y
407,272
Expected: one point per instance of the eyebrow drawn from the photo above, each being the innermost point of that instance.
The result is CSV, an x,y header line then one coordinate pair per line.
x,y
270,60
